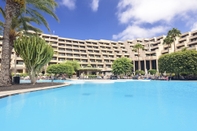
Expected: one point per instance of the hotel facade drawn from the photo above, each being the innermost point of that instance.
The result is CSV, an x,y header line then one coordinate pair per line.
x,y
101,53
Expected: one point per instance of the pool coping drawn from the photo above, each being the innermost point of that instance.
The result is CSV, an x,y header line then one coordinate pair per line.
x,y
14,92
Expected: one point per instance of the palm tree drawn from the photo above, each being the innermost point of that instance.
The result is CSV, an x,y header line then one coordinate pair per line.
x,y
33,9
168,41
137,48
21,25
173,34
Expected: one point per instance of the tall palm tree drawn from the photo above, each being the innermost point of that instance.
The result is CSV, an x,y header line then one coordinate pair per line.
x,y
137,48
11,10
20,25
173,34
31,8
168,41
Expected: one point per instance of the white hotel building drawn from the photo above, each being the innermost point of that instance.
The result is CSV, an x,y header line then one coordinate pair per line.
x,y
101,53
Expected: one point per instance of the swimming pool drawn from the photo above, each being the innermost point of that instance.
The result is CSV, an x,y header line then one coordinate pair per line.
x,y
104,106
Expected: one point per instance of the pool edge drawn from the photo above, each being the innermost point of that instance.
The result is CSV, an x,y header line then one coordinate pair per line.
x,y
15,92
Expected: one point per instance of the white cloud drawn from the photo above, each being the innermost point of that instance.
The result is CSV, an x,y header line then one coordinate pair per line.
x,y
194,26
133,32
95,5
151,11
69,3
156,13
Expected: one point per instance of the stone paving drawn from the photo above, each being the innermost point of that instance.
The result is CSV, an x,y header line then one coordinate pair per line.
x,y
8,93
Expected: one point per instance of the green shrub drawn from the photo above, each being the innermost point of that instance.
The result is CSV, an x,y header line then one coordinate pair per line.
x,y
92,76
140,72
152,71
23,74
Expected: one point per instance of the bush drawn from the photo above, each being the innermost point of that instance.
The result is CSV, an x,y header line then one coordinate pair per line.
x,y
23,74
92,76
152,71
141,72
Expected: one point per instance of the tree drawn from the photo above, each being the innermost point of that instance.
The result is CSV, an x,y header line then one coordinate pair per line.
x,y
140,72
75,64
35,53
12,9
173,34
152,71
122,66
168,41
179,62
60,69
20,25
137,48
54,69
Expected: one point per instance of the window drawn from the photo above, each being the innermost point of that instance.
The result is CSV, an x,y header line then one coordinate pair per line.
x,y
61,49
100,66
61,54
54,58
19,62
61,44
61,59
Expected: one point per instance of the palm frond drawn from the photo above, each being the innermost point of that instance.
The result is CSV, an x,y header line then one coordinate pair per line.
x,y
44,6
2,12
32,28
40,19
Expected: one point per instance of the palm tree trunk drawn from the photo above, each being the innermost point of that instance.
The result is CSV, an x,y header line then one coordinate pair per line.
x,y
5,79
15,56
15,59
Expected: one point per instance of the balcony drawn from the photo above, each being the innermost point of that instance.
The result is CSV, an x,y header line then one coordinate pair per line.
x,y
84,56
76,56
69,41
98,58
154,47
61,59
61,50
68,51
183,39
68,46
81,52
62,56
81,43
180,45
192,43
84,62
76,51
194,47
193,37
151,58
53,40
53,60
164,51
75,47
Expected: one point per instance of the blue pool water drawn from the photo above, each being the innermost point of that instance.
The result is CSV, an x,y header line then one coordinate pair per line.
x,y
114,106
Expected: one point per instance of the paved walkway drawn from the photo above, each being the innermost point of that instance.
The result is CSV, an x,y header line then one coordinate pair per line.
x,y
8,93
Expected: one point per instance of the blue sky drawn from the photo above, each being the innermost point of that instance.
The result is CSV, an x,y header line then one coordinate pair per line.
x,y
121,19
